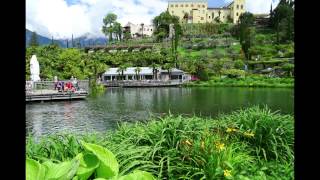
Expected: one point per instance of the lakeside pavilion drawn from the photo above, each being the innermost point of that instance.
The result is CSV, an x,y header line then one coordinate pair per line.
x,y
144,73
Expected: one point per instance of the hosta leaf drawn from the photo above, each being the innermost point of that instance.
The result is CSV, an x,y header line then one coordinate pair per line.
x,y
34,170
138,175
109,166
62,171
88,164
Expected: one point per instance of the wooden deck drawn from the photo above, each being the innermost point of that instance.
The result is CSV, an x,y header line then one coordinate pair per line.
x,y
44,91
142,83
50,95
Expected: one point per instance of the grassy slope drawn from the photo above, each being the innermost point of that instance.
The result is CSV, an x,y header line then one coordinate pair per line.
x,y
249,144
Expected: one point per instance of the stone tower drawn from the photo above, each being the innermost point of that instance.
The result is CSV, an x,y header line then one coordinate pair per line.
x,y
237,8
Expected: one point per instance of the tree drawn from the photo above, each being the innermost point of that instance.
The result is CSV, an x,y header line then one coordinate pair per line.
x,y
162,23
33,40
137,71
108,22
117,28
246,32
282,21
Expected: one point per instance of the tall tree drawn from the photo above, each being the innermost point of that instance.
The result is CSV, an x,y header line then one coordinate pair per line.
x,y
118,30
246,32
282,21
34,39
108,23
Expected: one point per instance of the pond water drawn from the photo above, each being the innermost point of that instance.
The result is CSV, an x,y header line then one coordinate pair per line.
x,y
131,104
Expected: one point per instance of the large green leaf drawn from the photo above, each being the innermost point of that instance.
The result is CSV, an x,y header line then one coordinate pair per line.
x,y
34,170
138,175
109,166
88,164
62,171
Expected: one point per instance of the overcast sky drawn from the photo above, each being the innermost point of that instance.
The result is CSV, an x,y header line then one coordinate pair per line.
x,y
62,18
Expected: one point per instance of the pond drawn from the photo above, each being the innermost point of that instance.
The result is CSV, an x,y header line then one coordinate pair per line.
x,y
132,104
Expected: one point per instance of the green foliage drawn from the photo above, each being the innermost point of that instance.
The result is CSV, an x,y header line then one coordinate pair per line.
x,y
34,170
282,21
162,23
33,40
88,164
61,171
252,143
248,81
109,25
246,32
233,73
109,166
239,64
96,161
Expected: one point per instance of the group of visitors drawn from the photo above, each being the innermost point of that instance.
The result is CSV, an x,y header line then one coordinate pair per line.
x,y
70,86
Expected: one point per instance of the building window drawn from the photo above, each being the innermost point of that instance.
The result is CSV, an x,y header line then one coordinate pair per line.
x,y
150,29
181,5
223,17
237,14
203,6
176,5
198,5
209,17
212,15
241,6
171,5
202,18
187,5
237,6
172,12
191,5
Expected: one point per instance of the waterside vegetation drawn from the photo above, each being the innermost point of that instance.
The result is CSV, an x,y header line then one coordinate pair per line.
x,y
252,143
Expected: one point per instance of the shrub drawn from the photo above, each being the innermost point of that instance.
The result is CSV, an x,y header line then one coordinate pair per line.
x,y
233,73
239,64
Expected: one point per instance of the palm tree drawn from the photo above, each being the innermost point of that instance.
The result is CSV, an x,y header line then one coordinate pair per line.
x,y
121,69
137,70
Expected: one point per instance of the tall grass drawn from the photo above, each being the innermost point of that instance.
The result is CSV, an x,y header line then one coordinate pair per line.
x,y
252,143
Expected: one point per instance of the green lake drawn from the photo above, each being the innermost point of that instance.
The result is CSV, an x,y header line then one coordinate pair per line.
x,y
132,104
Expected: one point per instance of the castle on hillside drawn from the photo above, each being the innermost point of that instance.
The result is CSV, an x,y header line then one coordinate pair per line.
x,y
197,11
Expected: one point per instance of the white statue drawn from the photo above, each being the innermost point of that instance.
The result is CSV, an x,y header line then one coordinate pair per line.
x,y
171,31
34,69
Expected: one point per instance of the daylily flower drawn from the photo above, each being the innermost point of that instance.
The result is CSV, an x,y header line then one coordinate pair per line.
x,y
227,173
248,134
220,146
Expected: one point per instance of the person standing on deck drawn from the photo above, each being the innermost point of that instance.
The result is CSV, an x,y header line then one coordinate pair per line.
x,y
55,80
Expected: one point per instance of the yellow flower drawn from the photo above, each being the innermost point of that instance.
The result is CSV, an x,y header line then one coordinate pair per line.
x,y
188,142
229,130
220,146
202,145
248,134
227,173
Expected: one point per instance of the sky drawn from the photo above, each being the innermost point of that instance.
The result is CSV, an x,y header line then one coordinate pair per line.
x,y
62,18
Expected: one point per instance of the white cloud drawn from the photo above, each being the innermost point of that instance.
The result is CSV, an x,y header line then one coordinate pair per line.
x,y
57,18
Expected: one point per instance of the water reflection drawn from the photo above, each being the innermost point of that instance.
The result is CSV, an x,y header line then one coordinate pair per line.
x,y
132,104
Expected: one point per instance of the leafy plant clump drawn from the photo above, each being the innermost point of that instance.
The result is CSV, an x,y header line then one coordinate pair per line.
x,y
252,143
95,162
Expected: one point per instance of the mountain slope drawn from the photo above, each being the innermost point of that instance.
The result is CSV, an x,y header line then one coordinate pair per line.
x,y
85,40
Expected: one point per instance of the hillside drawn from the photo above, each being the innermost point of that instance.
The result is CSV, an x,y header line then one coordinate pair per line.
x,y
85,40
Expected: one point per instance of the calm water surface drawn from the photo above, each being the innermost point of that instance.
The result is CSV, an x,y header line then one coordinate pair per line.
x,y
131,104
